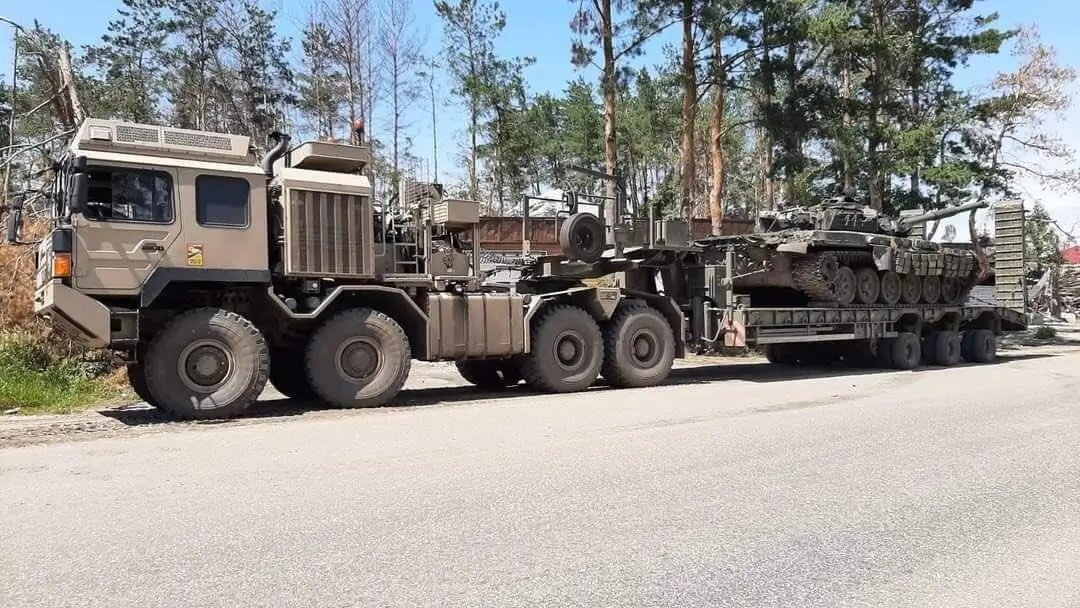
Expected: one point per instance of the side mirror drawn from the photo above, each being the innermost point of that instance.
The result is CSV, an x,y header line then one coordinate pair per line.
x,y
14,221
78,164
79,192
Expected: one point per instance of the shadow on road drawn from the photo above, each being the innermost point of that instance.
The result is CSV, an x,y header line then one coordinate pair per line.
x,y
700,374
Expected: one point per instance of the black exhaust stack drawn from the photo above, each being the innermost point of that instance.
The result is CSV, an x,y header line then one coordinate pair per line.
x,y
276,152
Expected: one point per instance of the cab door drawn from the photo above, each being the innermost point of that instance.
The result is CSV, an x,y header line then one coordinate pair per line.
x,y
131,221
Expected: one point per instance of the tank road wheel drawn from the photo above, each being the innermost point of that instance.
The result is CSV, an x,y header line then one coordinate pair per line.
x,y
981,346
952,291
639,346
567,350
287,373
490,374
136,374
931,289
868,286
911,289
359,358
892,287
582,237
844,285
207,363
946,347
905,351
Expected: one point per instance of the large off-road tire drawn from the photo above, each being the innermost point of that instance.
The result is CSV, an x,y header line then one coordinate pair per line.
x,y
639,346
582,237
982,346
359,358
287,373
567,350
136,373
206,363
489,374
906,351
946,348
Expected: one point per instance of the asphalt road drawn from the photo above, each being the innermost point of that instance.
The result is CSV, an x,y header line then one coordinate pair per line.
x,y
956,487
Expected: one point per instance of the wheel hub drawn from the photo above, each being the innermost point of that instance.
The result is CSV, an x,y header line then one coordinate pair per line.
x,y
204,364
358,359
645,348
569,350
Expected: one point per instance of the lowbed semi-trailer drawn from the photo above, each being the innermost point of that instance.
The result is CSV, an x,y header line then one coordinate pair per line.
x,y
213,274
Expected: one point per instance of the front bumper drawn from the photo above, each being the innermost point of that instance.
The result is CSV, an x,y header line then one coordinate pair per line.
x,y
81,317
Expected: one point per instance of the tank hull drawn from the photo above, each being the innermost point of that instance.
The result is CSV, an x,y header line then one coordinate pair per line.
x,y
845,268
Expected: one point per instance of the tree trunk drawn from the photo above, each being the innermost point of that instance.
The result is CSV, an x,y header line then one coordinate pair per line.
x,y
610,210
689,110
716,139
845,152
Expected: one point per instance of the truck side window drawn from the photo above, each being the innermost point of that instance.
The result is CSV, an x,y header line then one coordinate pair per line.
x,y
222,201
132,195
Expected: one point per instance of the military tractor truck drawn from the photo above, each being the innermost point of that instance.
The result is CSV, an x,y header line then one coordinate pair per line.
x,y
214,273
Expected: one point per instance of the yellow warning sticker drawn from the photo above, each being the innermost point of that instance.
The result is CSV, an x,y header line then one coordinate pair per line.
x,y
194,255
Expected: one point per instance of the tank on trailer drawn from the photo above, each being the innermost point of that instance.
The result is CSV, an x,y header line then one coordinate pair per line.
x,y
844,253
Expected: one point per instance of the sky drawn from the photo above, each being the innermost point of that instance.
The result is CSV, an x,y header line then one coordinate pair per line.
x,y
540,28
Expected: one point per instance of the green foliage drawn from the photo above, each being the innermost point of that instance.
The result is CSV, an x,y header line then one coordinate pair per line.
x,y
33,381
820,96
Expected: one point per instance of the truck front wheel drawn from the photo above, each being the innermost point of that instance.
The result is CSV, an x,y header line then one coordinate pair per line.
x,y
566,350
206,363
359,358
137,381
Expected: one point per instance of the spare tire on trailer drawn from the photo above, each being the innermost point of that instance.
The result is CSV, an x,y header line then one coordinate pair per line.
x,y
582,237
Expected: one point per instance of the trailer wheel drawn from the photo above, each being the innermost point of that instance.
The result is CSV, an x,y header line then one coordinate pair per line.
x,y
582,237
965,344
946,348
639,346
207,363
490,374
359,358
883,356
780,354
287,373
566,353
905,351
983,346
136,374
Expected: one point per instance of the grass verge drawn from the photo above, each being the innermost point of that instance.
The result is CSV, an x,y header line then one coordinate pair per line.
x,y
33,381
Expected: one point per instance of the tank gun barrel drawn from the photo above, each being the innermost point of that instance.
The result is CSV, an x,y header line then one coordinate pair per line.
x,y
938,214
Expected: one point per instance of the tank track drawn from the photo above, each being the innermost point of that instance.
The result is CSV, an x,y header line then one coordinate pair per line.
x,y
814,274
